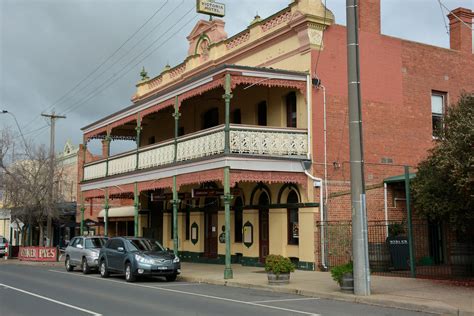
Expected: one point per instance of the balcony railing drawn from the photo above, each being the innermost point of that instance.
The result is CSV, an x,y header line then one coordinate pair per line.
x,y
244,140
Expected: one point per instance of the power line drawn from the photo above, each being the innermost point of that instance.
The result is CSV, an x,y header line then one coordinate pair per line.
x,y
108,83
124,55
443,17
101,64
447,9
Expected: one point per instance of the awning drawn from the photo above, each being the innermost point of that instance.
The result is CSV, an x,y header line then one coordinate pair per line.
x,y
399,178
123,211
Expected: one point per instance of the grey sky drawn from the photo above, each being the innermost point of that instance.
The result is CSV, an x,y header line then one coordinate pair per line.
x,y
48,46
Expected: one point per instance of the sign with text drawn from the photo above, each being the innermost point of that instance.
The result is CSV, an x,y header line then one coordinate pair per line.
x,y
210,7
38,253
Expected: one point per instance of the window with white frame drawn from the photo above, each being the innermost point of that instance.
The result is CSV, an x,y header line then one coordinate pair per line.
x,y
438,104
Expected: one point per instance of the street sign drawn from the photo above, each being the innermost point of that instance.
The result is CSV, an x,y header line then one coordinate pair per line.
x,y
210,7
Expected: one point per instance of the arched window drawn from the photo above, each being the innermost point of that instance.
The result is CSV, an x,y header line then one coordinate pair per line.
x,y
238,219
293,225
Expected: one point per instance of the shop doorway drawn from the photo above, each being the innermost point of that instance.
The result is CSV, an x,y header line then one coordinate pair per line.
x,y
211,229
263,226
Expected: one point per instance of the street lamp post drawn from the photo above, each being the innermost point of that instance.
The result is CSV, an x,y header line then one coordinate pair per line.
x,y
17,125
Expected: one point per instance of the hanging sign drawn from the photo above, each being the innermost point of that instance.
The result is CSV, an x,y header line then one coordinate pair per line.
x,y
210,7
214,192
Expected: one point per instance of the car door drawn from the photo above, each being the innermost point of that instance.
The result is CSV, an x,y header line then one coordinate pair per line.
x,y
71,249
116,255
76,258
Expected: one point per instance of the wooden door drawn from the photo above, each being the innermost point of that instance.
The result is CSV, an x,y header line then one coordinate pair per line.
x,y
263,227
211,231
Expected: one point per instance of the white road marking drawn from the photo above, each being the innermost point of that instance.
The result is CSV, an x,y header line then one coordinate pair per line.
x,y
288,300
50,300
192,294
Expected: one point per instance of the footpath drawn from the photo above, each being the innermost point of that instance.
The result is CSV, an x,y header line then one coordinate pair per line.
x,y
405,293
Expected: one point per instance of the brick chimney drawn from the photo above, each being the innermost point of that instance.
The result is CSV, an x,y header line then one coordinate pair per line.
x,y
460,36
369,16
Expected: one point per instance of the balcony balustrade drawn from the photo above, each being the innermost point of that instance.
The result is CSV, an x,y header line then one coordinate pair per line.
x,y
245,140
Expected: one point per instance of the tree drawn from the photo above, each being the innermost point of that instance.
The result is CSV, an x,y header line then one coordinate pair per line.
x,y
444,185
27,184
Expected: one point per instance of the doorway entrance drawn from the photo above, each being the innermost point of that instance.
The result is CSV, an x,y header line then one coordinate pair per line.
x,y
263,226
211,229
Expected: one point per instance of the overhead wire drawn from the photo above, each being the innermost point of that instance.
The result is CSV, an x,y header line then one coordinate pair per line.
x,y
101,64
126,52
116,77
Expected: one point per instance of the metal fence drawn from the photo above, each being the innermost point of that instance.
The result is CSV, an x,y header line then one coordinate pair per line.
x,y
438,252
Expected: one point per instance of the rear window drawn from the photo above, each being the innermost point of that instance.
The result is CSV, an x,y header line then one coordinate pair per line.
x,y
145,245
95,242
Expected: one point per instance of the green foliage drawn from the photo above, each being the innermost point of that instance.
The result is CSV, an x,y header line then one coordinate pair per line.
x,y
338,271
444,185
278,264
396,229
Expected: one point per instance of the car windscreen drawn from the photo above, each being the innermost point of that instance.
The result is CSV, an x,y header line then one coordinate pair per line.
x,y
95,242
145,245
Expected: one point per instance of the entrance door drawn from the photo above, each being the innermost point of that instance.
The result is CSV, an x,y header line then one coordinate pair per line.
x,y
263,222
211,230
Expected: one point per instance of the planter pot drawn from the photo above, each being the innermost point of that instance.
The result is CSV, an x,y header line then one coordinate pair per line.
x,y
347,283
276,279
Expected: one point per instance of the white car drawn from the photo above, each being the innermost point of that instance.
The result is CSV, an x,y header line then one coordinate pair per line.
x,y
3,246
83,251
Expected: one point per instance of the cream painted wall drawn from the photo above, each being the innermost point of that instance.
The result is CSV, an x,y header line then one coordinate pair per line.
x,y
5,228
252,217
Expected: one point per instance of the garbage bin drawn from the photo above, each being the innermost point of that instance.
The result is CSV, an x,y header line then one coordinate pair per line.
x,y
399,252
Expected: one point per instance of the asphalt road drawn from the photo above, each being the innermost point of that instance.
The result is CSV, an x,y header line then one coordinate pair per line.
x,y
40,290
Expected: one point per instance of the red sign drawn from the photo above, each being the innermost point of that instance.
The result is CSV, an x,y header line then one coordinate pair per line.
x,y
38,253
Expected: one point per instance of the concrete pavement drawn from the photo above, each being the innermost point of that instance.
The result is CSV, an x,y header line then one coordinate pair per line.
x,y
404,293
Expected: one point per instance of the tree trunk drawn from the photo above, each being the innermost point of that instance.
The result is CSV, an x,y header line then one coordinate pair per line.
x,y
41,234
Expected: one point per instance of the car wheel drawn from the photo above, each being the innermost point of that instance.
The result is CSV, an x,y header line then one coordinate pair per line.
x,y
171,278
104,273
68,265
85,266
129,276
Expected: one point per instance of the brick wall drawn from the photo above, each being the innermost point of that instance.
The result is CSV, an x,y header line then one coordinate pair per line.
x,y
397,79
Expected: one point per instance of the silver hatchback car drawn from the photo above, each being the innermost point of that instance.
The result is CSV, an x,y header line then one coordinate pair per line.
x,y
84,251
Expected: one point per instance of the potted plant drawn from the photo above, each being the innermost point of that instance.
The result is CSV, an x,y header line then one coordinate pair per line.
x,y
343,275
278,269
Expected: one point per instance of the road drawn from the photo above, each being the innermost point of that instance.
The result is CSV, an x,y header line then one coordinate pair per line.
x,y
42,290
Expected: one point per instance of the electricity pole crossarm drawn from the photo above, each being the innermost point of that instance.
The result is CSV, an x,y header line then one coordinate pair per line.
x,y
53,117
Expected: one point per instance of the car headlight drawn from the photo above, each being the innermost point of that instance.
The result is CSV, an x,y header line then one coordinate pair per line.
x,y
94,255
176,260
145,260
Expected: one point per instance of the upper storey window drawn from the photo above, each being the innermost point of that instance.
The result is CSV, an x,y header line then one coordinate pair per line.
x,y
438,106
291,109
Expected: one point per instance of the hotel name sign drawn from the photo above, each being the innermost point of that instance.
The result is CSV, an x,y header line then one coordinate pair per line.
x,y
210,7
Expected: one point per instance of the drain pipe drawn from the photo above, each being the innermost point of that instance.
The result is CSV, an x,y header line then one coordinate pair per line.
x,y
318,182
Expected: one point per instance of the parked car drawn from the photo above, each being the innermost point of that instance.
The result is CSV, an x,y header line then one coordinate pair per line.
x,y
135,256
3,246
83,251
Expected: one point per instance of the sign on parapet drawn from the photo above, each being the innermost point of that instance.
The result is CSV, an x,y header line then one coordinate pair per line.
x,y
210,7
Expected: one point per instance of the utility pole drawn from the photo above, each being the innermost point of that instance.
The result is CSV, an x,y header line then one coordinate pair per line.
x,y
53,117
359,211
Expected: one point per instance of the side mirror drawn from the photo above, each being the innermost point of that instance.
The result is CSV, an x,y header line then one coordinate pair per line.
x,y
120,249
79,246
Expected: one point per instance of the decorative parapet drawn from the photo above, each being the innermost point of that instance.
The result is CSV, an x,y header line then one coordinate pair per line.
x,y
297,14
275,21
176,71
238,40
